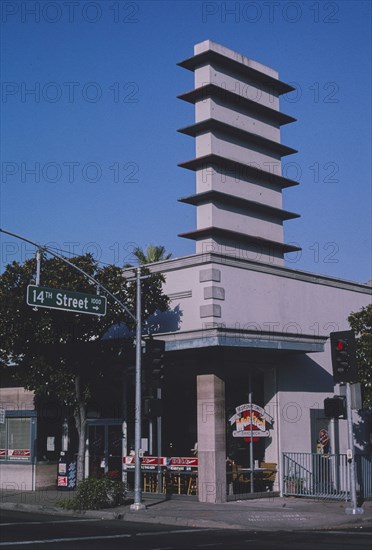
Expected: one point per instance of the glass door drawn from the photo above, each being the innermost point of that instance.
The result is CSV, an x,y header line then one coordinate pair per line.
x,y
97,455
105,447
114,449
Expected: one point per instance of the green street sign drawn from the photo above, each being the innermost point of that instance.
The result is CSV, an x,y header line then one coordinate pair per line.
x,y
66,300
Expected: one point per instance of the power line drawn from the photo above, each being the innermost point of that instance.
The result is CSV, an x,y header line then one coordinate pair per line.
x,y
42,247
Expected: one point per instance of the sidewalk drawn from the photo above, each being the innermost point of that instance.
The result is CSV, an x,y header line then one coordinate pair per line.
x,y
265,514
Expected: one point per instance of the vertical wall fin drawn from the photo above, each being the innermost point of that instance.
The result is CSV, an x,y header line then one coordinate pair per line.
x,y
238,168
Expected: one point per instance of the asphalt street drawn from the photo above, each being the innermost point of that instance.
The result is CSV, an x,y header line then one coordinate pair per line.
x,y
34,530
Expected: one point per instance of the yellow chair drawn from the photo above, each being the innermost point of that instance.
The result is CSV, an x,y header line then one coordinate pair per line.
x,y
269,474
150,482
192,487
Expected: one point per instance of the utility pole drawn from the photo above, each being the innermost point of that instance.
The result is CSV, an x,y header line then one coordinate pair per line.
x,y
158,445
138,505
345,371
251,456
351,456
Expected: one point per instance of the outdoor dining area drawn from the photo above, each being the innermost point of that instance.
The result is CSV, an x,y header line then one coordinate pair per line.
x,y
242,480
179,476
166,475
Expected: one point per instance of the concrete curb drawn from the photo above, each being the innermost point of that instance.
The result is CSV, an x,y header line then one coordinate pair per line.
x,y
126,516
301,523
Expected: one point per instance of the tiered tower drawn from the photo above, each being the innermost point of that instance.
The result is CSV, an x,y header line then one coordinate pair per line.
x,y
239,178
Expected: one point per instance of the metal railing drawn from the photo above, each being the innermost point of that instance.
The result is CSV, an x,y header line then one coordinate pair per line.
x,y
364,475
304,474
325,476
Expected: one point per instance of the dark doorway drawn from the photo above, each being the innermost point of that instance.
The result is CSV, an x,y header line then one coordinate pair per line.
x,y
105,438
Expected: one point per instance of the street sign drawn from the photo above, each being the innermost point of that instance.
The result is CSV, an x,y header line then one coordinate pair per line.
x,y
66,300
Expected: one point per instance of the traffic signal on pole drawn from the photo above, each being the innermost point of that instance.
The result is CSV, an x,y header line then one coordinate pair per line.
x,y
154,360
335,407
118,348
343,350
153,407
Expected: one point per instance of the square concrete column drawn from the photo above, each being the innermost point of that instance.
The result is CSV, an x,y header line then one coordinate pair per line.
x,y
211,439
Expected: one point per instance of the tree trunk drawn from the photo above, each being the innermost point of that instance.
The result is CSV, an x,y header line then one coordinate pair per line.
x,y
80,420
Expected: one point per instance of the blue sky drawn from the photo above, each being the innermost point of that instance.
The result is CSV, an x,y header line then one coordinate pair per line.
x,y
89,160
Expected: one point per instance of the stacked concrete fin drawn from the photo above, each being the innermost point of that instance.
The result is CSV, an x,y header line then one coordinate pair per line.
x,y
238,168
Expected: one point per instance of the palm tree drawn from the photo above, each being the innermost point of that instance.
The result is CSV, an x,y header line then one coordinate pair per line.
x,y
152,254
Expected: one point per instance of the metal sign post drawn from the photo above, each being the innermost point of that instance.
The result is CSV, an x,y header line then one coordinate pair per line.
x,y
351,456
158,445
251,457
137,504
345,371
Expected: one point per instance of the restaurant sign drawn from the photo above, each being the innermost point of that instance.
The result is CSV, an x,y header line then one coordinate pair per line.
x,y
15,454
146,460
172,463
251,422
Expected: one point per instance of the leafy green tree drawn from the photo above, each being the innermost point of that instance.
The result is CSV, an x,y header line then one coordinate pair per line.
x,y
361,323
153,254
45,346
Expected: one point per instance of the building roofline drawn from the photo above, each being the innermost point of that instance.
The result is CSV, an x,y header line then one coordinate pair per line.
x,y
203,258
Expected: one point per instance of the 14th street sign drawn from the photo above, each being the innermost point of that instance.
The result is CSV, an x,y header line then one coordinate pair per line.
x,y
67,300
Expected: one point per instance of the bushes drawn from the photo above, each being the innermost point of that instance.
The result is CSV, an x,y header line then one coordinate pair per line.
x,y
94,494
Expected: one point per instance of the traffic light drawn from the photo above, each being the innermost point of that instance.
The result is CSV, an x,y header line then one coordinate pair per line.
x,y
153,407
343,350
154,360
335,407
117,348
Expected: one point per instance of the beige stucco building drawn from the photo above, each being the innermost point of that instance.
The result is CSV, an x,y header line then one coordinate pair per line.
x,y
242,326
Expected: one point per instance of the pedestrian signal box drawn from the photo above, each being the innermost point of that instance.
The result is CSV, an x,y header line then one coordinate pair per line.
x,y
335,407
343,350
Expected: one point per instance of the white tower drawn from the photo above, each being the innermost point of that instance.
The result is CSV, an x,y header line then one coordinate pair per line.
x,y
239,179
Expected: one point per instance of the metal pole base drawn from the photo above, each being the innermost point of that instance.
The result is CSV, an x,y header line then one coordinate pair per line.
x,y
137,506
354,511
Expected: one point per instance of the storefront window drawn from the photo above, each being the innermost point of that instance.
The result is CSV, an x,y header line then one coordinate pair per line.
x,y
2,441
15,439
